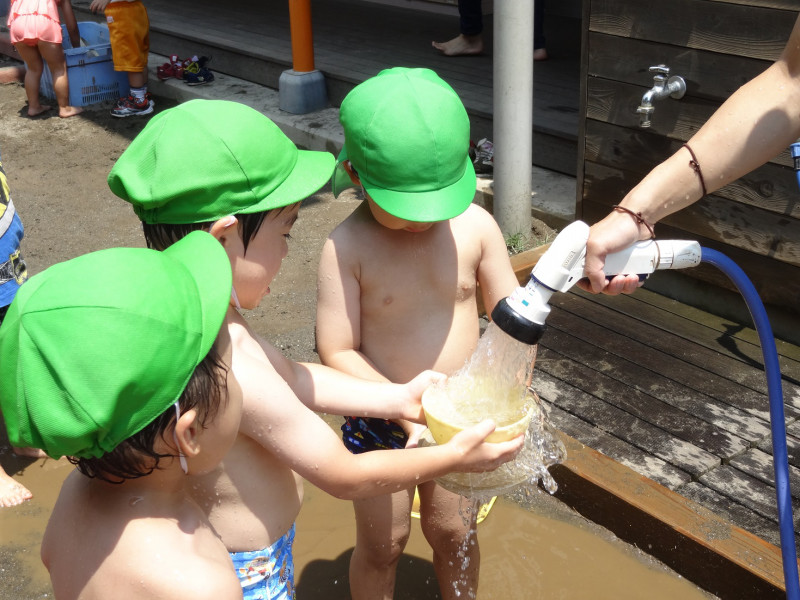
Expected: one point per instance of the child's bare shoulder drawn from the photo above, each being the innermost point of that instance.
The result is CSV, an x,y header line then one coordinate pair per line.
x,y
477,217
359,221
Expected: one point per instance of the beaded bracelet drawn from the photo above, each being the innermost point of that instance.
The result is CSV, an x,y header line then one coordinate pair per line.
x,y
696,168
637,217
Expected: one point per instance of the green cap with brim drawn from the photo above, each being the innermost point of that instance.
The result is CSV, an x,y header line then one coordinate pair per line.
x,y
205,159
407,136
93,349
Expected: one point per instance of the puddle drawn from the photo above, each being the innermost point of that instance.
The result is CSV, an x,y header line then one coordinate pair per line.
x,y
540,550
535,548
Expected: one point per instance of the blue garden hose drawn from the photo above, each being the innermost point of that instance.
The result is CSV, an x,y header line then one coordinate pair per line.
x,y
776,414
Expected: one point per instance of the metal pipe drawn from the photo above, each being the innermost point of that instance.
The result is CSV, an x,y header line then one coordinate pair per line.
x,y
513,115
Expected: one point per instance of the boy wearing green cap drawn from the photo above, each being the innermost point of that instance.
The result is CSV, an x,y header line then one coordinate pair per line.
x,y
116,360
397,293
248,197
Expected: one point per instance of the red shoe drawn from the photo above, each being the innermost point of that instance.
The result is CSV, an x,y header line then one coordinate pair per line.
x,y
173,68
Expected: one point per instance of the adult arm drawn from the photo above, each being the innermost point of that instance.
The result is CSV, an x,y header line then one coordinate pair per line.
x,y
755,124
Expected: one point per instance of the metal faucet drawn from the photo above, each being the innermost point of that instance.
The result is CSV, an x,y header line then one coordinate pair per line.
x,y
663,86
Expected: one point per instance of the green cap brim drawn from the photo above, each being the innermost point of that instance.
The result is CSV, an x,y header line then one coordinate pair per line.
x,y
427,207
341,178
311,172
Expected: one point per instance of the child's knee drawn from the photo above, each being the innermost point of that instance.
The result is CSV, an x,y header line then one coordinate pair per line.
x,y
446,532
386,551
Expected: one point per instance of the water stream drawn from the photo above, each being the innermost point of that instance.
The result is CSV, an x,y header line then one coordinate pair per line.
x,y
495,383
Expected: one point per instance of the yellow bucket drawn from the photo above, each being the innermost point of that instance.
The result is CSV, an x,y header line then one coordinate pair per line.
x,y
483,509
438,411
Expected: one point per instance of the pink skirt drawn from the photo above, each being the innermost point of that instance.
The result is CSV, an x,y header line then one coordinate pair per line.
x,y
32,21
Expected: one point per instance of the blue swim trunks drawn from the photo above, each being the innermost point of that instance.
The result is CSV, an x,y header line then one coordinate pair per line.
x,y
267,574
363,434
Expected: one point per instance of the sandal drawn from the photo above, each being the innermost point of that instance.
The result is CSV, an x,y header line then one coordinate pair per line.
x,y
173,68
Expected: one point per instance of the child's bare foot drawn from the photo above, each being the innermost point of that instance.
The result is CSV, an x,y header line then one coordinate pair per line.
x,y
540,54
41,109
463,45
12,492
69,111
29,452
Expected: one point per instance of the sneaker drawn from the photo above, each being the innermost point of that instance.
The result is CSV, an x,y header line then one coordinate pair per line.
x,y
202,76
129,107
196,72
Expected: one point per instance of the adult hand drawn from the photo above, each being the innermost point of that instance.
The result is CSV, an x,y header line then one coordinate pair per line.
x,y
614,233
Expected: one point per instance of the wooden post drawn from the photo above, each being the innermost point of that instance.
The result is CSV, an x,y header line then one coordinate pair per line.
x,y
302,38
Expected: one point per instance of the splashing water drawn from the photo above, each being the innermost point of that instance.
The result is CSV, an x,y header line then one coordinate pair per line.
x,y
494,383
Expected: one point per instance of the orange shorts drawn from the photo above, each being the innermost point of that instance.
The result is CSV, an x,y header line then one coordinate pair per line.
x,y
129,32
33,21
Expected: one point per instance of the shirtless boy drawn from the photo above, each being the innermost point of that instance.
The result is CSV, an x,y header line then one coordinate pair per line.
x,y
249,201
398,283
110,359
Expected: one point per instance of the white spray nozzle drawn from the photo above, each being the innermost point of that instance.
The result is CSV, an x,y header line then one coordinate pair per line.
x,y
563,265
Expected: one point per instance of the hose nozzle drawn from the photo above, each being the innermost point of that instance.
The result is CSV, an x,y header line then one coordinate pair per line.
x,y
522,315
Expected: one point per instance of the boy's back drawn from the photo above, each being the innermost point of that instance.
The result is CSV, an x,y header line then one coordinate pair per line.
x,y
96,524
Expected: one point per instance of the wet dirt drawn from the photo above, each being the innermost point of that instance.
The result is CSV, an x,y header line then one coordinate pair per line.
x,y
57,172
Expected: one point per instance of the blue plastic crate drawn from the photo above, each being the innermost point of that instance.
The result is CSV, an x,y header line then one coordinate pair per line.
x,y
90,70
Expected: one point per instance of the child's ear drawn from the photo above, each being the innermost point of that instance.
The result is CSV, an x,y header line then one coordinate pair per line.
x,y
221,228
187,433
352,172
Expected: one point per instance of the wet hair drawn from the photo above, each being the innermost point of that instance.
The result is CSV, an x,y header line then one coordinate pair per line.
x,y
160,236
135,457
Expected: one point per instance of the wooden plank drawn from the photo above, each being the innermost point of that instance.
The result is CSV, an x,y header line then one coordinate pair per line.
x,y
665,339
742,517
616,102
632,153
600,373
550,386
708,75
722,325
602,441
792,447
759,464
685,535
722,27
749,373
748,491
641,368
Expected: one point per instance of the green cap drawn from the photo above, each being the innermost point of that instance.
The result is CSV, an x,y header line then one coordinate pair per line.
x,y
406,134
205,159
93,349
